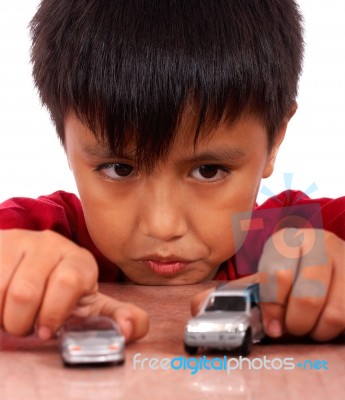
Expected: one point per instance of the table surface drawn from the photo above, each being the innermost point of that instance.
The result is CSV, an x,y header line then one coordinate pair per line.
x,y
30,369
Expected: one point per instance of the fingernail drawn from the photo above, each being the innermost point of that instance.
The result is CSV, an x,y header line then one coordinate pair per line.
x,y
275,328
44,333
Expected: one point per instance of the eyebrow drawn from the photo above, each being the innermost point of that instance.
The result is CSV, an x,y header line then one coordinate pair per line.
x,y
216,154
103,151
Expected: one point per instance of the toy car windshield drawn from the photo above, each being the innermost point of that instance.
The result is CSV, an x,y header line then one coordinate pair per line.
x,y
89,324
226,303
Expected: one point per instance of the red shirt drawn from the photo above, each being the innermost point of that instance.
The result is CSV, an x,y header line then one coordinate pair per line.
x,y
62,213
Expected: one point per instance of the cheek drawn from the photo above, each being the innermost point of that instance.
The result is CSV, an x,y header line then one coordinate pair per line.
x,y
219,225
220,239
109,219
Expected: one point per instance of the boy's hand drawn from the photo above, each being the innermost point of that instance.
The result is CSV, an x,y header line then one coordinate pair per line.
x,y
45,278
302,288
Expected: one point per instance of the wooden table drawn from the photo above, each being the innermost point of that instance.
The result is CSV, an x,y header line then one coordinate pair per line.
x,y
30,369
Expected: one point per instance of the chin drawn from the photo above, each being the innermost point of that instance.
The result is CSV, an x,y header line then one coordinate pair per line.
x,y
170,280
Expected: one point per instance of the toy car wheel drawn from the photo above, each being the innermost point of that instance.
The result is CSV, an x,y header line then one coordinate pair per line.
x,y
67,364
190,349
247,344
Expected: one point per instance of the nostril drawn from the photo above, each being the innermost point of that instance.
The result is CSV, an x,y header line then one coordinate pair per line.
x,y
163,228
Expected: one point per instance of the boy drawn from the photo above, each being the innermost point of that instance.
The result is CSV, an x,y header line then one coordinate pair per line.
x,y
170,113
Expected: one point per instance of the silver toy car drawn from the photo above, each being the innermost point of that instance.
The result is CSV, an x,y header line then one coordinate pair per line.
x,y
91,340
229,319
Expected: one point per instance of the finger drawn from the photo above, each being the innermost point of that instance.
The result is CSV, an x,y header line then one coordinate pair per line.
x,y
274,293
307,298
331,322
25,291
10,259
66,285
254,278
277,269
133,321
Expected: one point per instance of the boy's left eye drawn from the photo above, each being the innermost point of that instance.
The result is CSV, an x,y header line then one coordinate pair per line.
x,y
210,173
115,171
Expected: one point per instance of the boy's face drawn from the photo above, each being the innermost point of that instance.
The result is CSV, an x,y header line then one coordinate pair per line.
x,y
174,225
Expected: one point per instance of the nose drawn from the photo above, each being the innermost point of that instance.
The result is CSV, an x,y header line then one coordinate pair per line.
x,y
163,212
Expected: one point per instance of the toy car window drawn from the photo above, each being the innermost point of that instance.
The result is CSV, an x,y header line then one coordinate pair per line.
x,y
226,303
253,301
89,324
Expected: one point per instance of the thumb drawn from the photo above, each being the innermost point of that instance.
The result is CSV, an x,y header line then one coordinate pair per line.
x,y
272,314
272,318
133,321
198,300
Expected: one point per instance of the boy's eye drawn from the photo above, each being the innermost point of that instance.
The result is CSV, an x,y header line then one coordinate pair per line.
x,y
210,173
116,171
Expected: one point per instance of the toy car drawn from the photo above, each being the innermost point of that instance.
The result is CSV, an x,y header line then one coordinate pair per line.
x,y
91,340
229,319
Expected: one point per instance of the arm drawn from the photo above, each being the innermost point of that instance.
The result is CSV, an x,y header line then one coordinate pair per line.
x,y
45,276
301,271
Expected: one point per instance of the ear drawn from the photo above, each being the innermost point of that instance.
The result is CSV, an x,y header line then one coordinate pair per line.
x,y
269,167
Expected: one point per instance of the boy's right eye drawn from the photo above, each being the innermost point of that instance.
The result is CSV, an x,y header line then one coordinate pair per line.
x,y
115,171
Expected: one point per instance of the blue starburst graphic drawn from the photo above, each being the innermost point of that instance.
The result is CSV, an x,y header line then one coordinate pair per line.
x,y
288,178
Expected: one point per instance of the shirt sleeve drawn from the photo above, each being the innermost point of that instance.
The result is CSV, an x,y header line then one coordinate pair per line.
x,y
332,211
60,212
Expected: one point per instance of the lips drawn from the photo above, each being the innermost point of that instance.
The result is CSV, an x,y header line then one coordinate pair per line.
x,y
165,267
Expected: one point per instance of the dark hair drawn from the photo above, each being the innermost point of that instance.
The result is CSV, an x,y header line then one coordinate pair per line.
x,y
129,68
